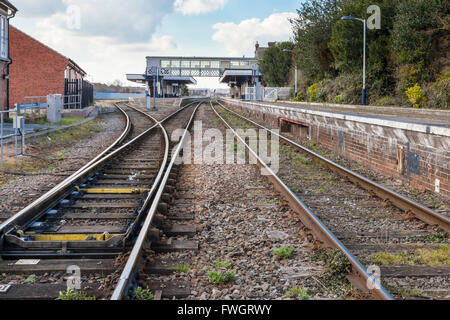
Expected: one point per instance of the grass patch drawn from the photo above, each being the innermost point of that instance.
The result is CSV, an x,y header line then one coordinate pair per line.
x,y
64,121
337,269
284,252
180,268
218,277
438,237
298,294
272,201
415,292
295,190
143,294
303,161
429,257
223,264
74,295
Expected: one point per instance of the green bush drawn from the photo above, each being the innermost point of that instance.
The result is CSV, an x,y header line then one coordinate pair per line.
x,y
416,96
312,92
299,97
386,101
438,92
410,48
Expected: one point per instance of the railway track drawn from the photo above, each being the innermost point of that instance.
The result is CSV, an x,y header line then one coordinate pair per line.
x,y
92,219
368,223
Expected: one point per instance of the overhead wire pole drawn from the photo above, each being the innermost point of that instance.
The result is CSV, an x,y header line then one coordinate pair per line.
x,y
364,21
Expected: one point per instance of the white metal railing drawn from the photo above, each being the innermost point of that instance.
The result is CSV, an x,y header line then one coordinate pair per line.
x,y
250,93
266,94
270,94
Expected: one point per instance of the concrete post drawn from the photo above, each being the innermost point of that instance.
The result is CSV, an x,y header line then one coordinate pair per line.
x,y
258,87
55,105
147,96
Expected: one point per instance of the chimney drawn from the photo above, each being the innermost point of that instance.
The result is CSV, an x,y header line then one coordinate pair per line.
x,y
257,45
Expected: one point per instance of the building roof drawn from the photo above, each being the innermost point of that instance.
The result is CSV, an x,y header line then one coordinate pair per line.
x,y
141,78
198,58
9,5
71,63
230,75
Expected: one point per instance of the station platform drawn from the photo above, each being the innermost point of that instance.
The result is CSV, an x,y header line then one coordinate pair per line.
x,y
435,122
409,145
410,115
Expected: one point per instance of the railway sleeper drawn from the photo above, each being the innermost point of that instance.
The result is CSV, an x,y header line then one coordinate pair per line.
x,y
175,246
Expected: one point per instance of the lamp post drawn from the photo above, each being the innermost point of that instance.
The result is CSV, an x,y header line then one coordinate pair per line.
x,y
296,74
364,58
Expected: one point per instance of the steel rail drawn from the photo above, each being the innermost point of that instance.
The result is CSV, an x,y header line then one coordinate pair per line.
x,y
165,160
420,211
360,277
38,207
53,192
129,270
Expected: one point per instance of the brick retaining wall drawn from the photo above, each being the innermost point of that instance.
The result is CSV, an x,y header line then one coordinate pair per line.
x,y
414,153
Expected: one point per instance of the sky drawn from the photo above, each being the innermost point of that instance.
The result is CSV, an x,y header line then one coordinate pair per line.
x,y
110,38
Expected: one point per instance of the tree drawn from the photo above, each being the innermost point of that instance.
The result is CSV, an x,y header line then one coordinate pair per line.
x,y
184,91
277,64
420,36
347,39
312,32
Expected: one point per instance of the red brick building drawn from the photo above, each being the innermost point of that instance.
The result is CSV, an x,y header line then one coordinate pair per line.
x,y
7,11
38,70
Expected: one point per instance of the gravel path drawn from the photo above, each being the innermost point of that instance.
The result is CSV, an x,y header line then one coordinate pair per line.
x,y
241,222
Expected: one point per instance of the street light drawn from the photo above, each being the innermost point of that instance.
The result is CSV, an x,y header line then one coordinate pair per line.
x,y
296,73
364,58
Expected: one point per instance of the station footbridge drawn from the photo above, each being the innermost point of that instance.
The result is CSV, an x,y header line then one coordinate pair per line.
x,y
164,76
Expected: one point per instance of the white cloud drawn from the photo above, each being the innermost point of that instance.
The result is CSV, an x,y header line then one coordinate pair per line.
x,y
130,21
106,58
191,7
113,37
239,39
34,8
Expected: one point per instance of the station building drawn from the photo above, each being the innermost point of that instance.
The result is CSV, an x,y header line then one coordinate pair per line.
x,y
38,70
7,11
164,76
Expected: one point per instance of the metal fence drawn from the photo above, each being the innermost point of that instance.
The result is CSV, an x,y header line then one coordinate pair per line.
x,y
78,94
267,94
117,96
73,101
87,94
40,103
270,94
16,130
